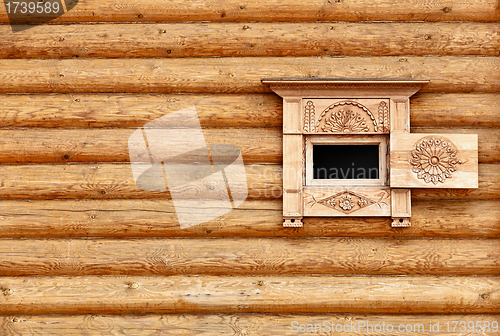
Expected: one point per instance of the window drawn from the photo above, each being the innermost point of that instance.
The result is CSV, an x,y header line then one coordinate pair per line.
x,y
333,160
351,162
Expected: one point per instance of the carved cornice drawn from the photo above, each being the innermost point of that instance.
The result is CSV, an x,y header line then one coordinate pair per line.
x,y
354,88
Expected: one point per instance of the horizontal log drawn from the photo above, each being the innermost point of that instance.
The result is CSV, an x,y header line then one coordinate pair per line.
x,y
132,110
254,218
455,110
239,74
115,180
287,10
86,145
256,145
245,324
244,256
251,39
249,294
109,180
220,110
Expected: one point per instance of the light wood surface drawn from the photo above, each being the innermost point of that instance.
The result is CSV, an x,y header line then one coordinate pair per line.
x,y
115,180
254,218
79,239
239,74
453,156
251,39
455,110
361,201
257,145
86,145
488,139
289,10
250,294
401,203
231,324
243,256
220,110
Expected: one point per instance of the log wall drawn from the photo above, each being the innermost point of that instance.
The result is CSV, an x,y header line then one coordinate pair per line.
x,y
83,251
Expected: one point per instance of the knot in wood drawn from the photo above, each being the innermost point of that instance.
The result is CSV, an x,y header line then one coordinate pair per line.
x,y
8,291
133,285
485,296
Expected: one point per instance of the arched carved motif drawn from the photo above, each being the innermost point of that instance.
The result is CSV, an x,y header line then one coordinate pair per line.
x,y
346,120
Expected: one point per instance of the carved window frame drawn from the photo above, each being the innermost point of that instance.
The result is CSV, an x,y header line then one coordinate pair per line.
x,y
407,166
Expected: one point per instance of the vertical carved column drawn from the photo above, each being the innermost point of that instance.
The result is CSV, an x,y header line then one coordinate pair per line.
x,y
292,162
400,198
400,114
401,207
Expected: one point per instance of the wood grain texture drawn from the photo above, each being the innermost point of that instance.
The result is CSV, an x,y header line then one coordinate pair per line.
x,y
132,110
254,218
220,110
256,145
244,256
488,173
288,10
488,140
233,324
115,180
239,74
109,181
251,39
407,153
455,110
86,145
248,294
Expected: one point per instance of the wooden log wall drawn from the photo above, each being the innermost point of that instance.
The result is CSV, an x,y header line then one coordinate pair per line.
x,y
83,251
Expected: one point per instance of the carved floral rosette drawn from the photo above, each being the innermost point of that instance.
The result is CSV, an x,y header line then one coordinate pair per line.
x,y
434,159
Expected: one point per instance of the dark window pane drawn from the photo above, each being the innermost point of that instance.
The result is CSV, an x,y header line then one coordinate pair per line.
x,y
345,161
